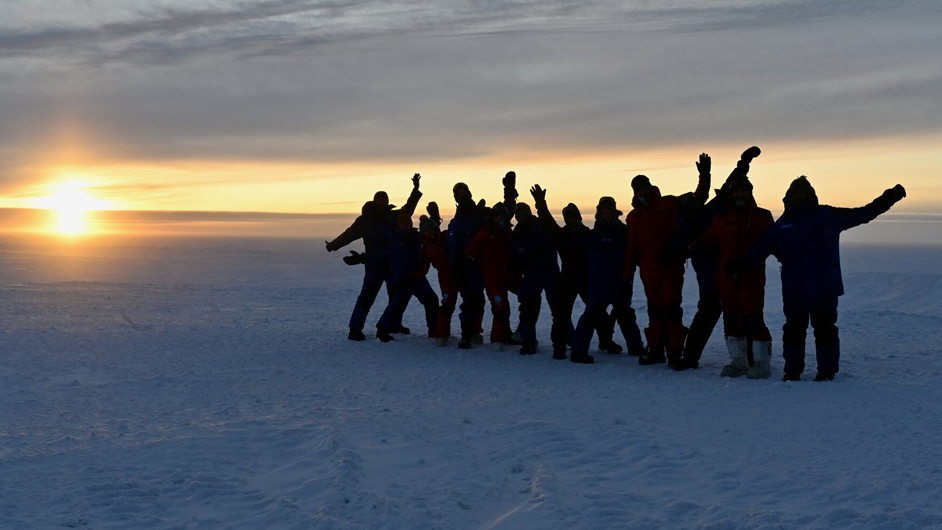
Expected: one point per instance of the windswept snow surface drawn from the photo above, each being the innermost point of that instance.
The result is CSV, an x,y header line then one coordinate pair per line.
x,y
196,384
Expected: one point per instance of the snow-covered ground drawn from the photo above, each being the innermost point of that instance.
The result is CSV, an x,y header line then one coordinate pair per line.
x,y
196,383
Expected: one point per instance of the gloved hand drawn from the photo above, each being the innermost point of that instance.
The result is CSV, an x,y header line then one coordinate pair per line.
x,y
736,267
539,194
433,212
895,194
331,246
704,164
750,153
510,180
355,258
415,180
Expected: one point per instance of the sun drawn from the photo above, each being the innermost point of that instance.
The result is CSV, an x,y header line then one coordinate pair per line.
x,y
71,203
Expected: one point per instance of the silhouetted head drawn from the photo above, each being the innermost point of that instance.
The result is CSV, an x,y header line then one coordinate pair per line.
x,y
607,210
800,194
428,227
381,199
404,222
523,212
571,214
367,208
740,191
643,190
499,214
462,193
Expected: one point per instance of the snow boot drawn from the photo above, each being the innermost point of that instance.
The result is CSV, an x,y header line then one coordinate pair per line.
x,y
791,376
582,359
477,338
528,349
655,355
400,329
738,365
356,334
675,360
441,341
762,354
824,376
610,346
383,335
559,352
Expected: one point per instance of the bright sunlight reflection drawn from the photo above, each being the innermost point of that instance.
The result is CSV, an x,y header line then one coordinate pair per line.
x,y
71,203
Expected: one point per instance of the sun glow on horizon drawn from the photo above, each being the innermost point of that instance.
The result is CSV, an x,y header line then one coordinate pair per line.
x,y
71,203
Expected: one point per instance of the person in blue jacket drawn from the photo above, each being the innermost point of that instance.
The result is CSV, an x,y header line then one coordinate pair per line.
x,y
534,255
805,239
371,226
407,261
609,283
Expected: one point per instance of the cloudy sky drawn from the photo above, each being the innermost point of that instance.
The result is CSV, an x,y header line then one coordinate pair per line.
x,y
310,106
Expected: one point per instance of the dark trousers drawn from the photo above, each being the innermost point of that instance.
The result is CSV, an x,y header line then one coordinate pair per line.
x,y
374,275
821,313
418,288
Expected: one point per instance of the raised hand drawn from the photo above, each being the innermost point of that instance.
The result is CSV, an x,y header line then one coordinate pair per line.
x,y
415,180
751,153
704,164
538,193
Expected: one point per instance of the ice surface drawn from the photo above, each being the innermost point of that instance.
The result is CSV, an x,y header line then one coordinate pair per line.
x,y
196,384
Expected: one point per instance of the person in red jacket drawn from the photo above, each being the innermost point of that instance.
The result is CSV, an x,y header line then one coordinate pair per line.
x,y
733,233
491,249
436,255
651,224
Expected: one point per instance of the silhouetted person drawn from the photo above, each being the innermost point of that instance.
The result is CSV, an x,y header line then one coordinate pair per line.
x,y
806,240
408,279
573,279
372,226
468,220
733,233
694,219
651,225
491,251
436,255
535,256
606,247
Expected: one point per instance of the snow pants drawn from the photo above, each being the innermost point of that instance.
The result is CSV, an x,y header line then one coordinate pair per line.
x,y
595,316
418,288
743,304
500,310
535,284
822,314
709,307
568,289
375,274
471,290
663,288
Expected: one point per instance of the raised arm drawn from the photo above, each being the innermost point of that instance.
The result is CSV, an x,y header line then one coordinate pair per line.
x,y
851,217
414,197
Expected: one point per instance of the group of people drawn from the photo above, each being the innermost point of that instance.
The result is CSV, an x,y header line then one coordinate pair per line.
x,y
485,253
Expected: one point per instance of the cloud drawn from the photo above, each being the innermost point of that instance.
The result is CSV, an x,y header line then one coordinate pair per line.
x,y
341,81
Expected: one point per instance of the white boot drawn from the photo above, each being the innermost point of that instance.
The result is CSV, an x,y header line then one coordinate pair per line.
x,y
762,354
738,365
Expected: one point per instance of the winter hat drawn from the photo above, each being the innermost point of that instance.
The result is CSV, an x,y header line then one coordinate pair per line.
x,y
639,181
607,202
800,184
459,186
522,207
426,224
380,195
572,209
741,182
405,218
499,209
